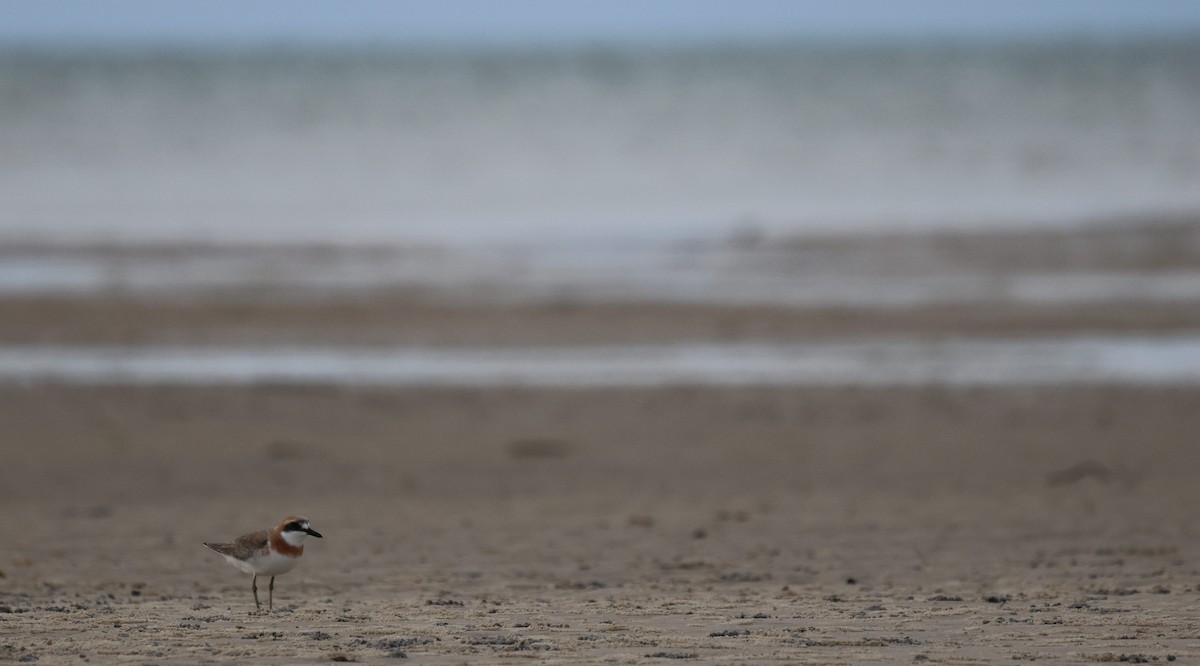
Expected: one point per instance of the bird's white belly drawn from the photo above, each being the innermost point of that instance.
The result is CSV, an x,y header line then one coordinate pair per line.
x,y
271,564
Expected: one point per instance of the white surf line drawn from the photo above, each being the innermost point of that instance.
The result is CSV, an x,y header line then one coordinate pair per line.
x,y
649,278
1131,360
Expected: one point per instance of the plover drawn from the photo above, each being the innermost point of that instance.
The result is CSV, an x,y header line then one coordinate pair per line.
x,y
268,552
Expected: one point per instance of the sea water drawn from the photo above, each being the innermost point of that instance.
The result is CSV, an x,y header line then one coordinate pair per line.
x,y
591,145
595,171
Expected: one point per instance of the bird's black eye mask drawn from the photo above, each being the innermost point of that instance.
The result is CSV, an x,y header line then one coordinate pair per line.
x,y
293,527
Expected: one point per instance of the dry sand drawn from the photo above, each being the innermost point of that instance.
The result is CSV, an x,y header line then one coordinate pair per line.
x,y
800,526
797,525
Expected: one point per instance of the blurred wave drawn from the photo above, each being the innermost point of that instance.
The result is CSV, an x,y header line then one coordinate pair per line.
x,y
592,144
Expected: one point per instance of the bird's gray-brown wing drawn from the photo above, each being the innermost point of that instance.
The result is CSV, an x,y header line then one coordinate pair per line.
x,y
244,546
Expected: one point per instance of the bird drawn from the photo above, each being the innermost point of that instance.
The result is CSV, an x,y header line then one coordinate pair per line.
x,y
268,552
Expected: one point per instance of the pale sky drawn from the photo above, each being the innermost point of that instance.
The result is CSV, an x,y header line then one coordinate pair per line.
x,y
254,21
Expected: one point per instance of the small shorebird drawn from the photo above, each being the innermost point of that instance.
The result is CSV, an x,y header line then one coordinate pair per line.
x,y
268,552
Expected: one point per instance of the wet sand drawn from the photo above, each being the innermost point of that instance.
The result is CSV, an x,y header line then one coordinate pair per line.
x,y
748,525
423,311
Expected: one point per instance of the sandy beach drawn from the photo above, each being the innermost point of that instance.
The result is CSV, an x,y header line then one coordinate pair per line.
x,y
629,333
796,526
802,524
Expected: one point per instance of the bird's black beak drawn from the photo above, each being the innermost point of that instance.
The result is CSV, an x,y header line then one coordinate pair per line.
x,y
311,532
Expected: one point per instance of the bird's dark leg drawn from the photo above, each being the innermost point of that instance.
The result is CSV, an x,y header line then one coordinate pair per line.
x,y
254,586
271,594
